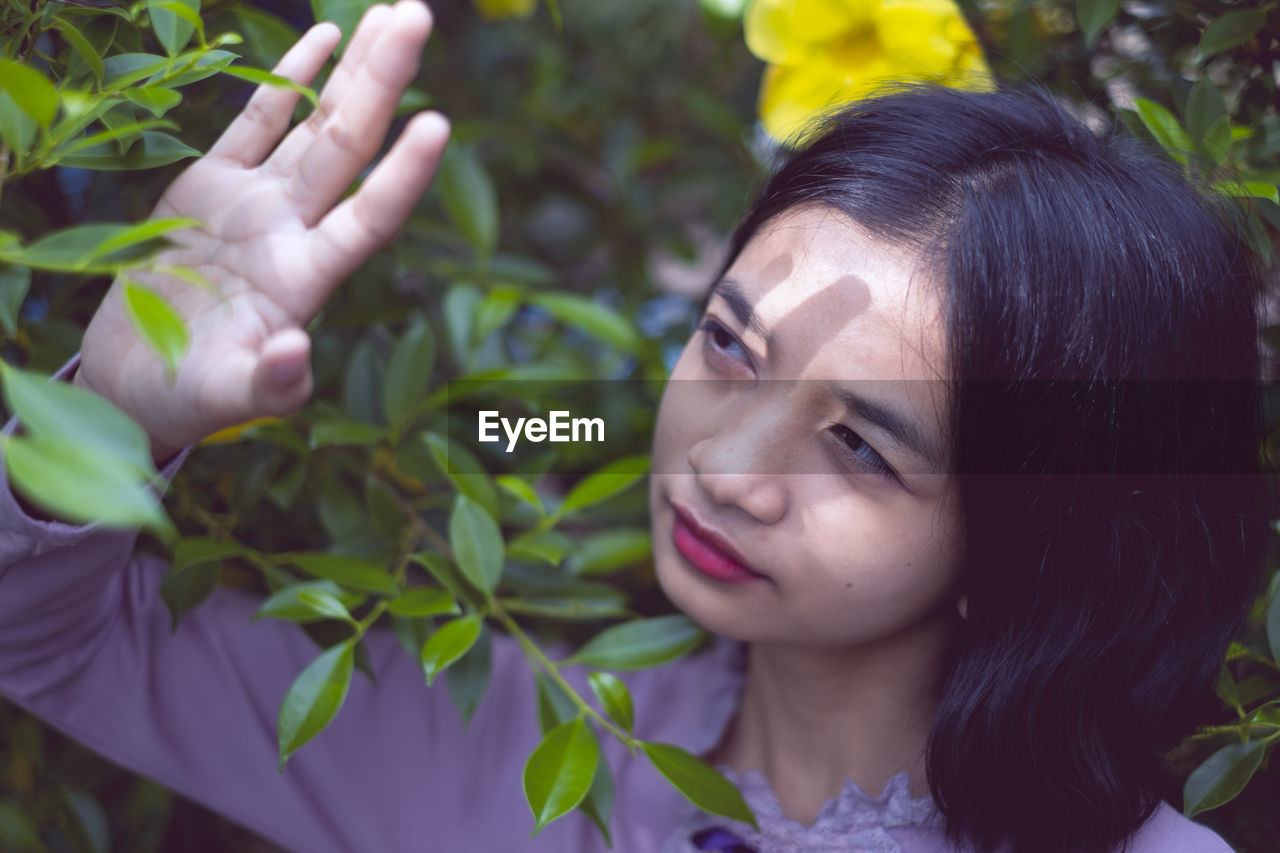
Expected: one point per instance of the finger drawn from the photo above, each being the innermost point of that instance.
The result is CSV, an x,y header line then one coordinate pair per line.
x,y
352,135
276,381
267,115
355,229
372,23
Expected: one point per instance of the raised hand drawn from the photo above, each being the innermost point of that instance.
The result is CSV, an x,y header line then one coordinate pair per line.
x,y
277,237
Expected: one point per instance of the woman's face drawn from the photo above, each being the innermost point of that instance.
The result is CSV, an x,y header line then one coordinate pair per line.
x,y
799,490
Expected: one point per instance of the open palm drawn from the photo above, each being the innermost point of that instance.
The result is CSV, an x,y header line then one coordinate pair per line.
x,y
277,236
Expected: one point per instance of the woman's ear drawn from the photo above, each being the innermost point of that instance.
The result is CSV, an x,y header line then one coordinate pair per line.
x,y
962,605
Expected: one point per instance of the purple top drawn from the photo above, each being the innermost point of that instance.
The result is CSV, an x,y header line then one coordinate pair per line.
x,y
85,645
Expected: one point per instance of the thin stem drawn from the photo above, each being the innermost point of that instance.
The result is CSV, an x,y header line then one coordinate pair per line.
x,y
1207,732
497,612
407,543
537,656
422,529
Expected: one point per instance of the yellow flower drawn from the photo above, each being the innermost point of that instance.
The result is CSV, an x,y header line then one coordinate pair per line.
x,y
825,52
494,9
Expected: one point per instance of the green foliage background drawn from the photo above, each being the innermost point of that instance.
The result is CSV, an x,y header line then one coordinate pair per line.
x,y
595,145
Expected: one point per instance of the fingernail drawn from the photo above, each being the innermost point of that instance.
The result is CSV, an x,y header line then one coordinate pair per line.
x,y
285,372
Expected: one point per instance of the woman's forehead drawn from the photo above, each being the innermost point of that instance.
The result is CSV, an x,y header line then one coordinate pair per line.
x,y
834,300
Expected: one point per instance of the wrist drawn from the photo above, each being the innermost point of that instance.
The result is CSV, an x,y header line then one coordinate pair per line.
x,y
160,454
78,379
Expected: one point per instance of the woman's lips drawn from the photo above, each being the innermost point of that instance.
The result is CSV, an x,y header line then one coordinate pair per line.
x,y
708,552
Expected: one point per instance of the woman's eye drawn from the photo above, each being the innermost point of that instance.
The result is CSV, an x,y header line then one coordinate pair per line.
x,y
722,343
862,453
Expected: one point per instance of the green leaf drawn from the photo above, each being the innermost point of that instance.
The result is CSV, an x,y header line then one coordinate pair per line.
x,y
314,698
15,281
1221,777
642,643
297,602
200,65
1227,31
17,129
476,542
1094,16
89,819
383,509
81,45
174,22
463,469
1273,619
257,75
497,307
351,572
1216,144
324,603
560,771
125,69
30,90
95,248
153,150
468,678
469,198
82,484
450,642
412,632
17,830
610,550
570,600
423,601
64,411
605,483
343,432
540,546
461,304
521,490
160,325
554,706
1204,106
345,13
183,591
444,571
598,804
267,36
123,133
156,100
1249,189
1226,688
408,373
196,550
1165,128
701,783
144,232
614,698
81,109
600,322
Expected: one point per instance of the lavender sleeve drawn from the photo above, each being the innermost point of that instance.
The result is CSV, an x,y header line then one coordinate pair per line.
x,y
85,644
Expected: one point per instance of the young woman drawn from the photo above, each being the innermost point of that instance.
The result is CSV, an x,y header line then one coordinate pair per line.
x,y
957,464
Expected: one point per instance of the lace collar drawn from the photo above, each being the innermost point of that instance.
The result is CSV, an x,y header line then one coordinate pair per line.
x,y
852,820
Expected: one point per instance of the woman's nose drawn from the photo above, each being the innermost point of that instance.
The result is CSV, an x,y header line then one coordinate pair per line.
x,y
739,466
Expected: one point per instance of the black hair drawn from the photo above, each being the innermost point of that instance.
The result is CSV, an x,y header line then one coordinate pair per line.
x,y
1102,364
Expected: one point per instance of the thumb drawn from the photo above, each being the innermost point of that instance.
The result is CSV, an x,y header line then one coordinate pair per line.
x,y
282,380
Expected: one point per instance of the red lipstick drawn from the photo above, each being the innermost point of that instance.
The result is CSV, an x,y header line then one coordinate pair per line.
x,y
708,551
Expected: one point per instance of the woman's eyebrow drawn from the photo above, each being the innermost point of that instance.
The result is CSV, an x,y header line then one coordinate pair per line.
x,y
732,294
900,428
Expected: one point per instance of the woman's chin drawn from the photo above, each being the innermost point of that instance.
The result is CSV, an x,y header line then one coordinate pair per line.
x,y
701,601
